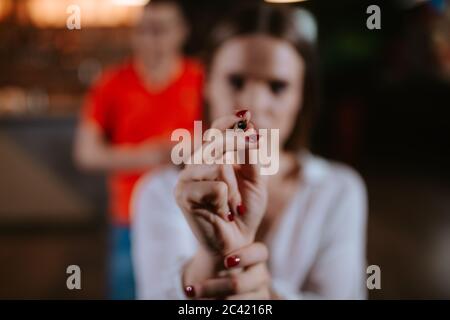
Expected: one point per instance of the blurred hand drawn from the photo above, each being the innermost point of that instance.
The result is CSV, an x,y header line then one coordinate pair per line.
x,y
155,152
93,152
224,204
253,282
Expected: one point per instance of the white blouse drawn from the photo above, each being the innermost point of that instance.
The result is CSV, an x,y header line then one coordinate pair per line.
x,y
316,252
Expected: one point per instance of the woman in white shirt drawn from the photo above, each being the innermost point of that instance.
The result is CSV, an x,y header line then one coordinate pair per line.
x,y
229,232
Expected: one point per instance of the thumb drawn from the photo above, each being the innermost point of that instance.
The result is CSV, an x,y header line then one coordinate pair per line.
x,y
250,170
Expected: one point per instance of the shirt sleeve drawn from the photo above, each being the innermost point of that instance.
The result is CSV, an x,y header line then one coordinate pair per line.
x,y
162,242
98,103
338,271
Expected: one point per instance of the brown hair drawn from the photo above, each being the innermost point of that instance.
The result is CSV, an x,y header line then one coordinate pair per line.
x,y
278,21
174,3
158,2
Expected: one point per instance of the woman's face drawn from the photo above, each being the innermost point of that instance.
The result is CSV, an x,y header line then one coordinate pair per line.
x,y
259,73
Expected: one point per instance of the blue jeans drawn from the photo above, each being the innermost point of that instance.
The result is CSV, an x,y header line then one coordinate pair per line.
x,y
120,268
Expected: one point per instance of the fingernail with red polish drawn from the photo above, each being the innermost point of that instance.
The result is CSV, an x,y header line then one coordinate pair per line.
x,y
230,217
189,291
253,138
241,113
241,209
232,261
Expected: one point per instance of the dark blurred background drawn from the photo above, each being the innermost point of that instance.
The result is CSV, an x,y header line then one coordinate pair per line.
x,y
384,110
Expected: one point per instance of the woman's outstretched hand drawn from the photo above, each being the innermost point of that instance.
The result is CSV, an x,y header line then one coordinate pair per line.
x,y
252,283
224,203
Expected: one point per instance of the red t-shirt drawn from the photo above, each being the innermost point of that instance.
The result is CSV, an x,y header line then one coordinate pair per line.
x,y
129,114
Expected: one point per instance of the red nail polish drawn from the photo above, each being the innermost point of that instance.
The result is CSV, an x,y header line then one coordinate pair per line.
x,y
230,217
232,261
253,138
241,209
241,113
189,291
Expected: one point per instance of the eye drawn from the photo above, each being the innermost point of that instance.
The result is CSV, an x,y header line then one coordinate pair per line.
x,y
236,81
277,86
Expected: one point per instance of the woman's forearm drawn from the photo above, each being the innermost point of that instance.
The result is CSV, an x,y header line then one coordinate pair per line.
x,y
204,265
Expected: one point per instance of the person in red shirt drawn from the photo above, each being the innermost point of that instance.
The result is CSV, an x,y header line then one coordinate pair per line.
x,y
128,117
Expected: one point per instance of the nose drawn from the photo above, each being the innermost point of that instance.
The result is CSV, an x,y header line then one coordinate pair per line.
x,y
255,97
